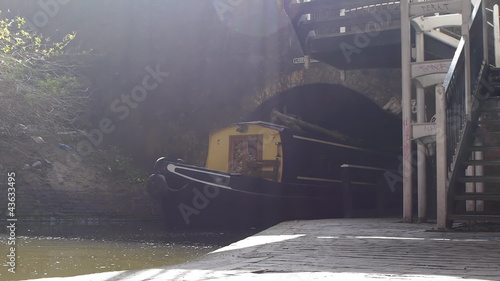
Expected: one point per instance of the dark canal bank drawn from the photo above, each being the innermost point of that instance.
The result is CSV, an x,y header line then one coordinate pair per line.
x,y
68,248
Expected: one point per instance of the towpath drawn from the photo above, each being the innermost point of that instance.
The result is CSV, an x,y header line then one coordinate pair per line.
x,y
337,249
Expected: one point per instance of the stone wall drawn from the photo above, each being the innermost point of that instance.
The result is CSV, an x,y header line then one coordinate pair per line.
x,y
218,62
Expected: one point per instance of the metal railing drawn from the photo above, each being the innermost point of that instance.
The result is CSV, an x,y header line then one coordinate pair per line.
x,y
455,99
458,95
329,18
477,55
372,180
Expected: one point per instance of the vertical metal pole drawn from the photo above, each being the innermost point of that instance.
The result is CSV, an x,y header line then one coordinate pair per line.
x,y
406,108
470,205
478,205
479,171
346,192
421,158
486,56
478,155
441,166
496,31
466,15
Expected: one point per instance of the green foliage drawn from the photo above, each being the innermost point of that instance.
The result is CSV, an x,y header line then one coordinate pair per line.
x,y
39,82
58,85
20,43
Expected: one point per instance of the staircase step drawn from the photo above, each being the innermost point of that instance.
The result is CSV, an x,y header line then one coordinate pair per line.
x,y
495,85
493,135
494,72
475,216
484,148
479,179
494,77
489,102
478,196
494,109
482,162
490,122
489,98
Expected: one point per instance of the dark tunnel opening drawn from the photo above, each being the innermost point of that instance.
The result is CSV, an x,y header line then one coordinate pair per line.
x,y
338,108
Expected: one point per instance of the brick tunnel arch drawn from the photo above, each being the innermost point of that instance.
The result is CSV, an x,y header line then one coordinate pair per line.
x,y
335,107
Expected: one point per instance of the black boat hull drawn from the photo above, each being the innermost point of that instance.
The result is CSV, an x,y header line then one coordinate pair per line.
x,y
194,197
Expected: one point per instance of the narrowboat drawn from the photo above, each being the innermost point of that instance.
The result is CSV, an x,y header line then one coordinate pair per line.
x,y
259,173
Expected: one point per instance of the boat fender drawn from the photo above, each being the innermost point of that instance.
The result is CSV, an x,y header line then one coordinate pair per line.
x,y
160,164
156,185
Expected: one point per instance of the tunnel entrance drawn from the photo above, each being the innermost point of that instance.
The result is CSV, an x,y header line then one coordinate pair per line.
x,y
337,108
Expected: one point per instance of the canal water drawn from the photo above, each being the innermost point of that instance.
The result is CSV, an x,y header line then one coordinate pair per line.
x,y
59,249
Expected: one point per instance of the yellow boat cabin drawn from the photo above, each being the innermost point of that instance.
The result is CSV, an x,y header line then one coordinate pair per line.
x,y
250,148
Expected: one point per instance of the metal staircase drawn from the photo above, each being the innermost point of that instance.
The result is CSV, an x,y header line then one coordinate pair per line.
x,y
467,167
476,190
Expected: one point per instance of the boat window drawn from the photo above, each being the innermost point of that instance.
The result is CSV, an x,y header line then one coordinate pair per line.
x,y
244,150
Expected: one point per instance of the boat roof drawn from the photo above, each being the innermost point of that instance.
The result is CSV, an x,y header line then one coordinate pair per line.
x,y
272,126
277,127
306,132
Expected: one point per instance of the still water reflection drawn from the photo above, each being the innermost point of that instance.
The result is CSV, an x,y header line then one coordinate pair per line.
x,y
68,250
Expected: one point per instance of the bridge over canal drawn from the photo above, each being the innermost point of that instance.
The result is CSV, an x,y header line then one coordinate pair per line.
x,y
448,46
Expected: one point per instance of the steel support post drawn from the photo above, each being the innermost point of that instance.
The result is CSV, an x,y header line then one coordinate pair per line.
x,y
496,34
406,110
421,158
470,205
466,16
441,166
485,35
